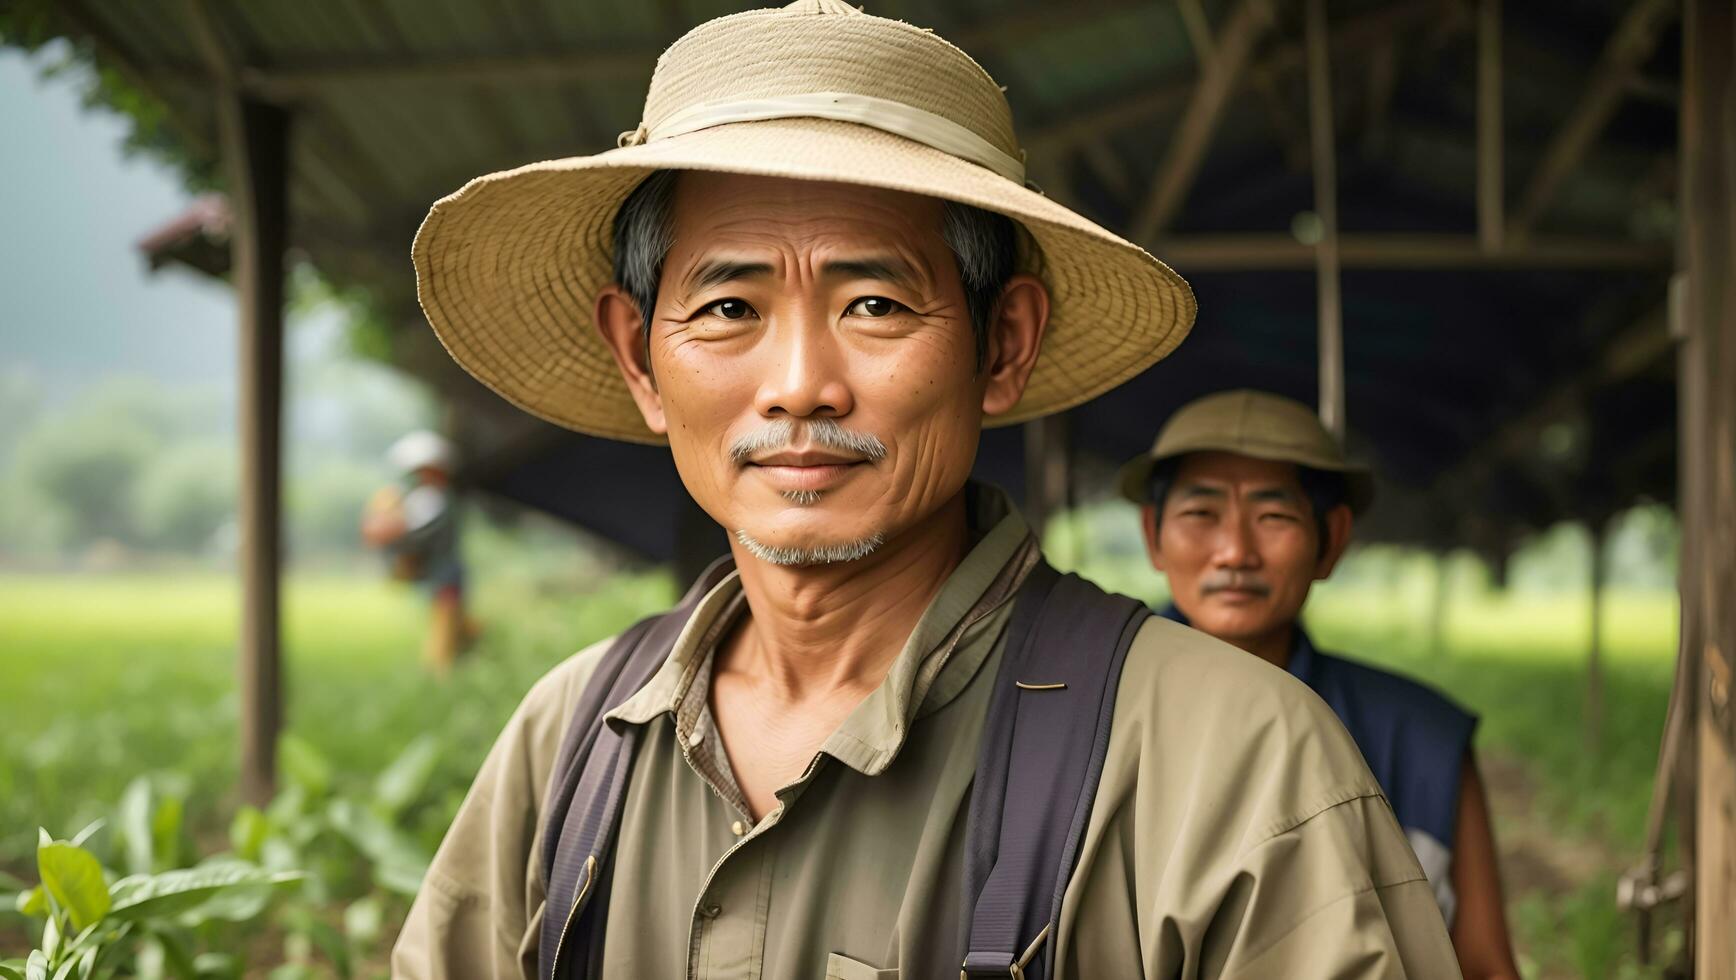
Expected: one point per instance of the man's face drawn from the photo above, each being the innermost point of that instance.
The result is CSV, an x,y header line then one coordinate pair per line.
x,y
1239,543
786,306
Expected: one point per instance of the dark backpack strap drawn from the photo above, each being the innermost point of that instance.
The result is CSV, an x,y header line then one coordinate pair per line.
x,y
588,785
1050,710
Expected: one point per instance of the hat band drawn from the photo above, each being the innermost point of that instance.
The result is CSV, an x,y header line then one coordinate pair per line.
x,y
896,118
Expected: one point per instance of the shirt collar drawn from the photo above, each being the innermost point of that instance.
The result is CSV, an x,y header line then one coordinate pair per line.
x,y
940,657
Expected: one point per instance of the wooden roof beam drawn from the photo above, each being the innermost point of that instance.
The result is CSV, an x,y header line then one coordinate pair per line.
x,y
1257,251
219,59
111,50
1181,163
1004,30
312,79
1351,35
1633,42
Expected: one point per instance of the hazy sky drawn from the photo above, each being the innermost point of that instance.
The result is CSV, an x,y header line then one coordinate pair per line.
x,y
76,300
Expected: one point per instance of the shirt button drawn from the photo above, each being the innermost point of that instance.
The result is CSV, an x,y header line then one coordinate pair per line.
x,y
695,738
738,828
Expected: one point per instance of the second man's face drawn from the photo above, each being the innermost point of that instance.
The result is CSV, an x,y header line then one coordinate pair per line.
x,y
1239,543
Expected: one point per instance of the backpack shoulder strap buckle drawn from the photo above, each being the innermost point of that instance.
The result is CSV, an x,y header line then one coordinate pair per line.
x,y
1015,969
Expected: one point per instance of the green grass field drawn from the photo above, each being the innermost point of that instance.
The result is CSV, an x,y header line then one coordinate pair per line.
x,y
104,678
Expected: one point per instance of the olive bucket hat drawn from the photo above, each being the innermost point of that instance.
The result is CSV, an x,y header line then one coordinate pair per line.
x,y
1249,423
508,268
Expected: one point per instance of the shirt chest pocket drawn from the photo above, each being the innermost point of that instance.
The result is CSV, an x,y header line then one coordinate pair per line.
x,y
840,967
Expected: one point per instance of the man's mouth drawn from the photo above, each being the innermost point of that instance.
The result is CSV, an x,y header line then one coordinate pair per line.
x,y
805,470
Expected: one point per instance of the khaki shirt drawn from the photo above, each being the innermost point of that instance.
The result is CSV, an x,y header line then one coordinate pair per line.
x,y
1236,832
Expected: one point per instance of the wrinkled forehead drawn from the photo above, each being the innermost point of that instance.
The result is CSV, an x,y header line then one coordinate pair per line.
x,y
734,212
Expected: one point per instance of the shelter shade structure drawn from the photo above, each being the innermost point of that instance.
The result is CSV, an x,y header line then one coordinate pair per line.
x,y
1504,359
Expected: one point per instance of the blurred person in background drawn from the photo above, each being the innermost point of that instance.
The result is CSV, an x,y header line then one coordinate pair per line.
x,y
415,525
1247,501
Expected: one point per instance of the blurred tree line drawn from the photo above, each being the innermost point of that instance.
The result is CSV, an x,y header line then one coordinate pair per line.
x,y
130,466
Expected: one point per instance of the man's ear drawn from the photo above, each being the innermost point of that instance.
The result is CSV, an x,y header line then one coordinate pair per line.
x,y
1015,338
1338,524
623,329
1153,543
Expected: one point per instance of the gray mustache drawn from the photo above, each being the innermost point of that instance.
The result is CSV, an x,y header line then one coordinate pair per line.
x,y
823,432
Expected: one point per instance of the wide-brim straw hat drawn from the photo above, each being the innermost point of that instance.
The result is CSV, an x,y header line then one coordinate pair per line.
x,y
1249,423
508,269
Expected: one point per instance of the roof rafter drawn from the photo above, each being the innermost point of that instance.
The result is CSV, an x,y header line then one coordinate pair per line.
x,y
1633,42
1181,162
1350,35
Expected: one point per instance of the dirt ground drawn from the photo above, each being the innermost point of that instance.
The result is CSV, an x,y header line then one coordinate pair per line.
x,y
1537,857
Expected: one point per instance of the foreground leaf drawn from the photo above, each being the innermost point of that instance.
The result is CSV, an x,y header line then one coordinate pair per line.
x,y
405,779
304,765
33,903
248,831
88,832
135,825
172,893
399,862
73,878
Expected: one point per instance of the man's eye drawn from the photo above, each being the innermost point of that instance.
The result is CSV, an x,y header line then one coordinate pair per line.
x,y
727,309
1279,516
873,306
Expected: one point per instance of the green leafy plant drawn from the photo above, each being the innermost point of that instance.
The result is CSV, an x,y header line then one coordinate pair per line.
x,y
95,925
358,859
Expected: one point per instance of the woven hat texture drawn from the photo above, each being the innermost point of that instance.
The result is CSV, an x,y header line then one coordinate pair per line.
x,y
1249,423
509,267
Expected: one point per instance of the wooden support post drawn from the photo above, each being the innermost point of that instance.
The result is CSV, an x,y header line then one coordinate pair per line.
x,y
1491,192
1326,206
255,148
1594,646
1708,449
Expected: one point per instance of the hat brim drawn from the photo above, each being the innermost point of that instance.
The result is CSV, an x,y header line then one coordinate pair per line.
x,y
1135,477
508,269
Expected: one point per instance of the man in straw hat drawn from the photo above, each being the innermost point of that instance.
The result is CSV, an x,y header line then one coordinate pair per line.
x,y
1247,501
815,271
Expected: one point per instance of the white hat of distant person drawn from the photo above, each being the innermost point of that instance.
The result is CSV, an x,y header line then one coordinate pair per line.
x,y
421,449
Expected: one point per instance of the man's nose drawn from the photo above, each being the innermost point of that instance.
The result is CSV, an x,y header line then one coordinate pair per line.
x,y
805,374
1235,545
